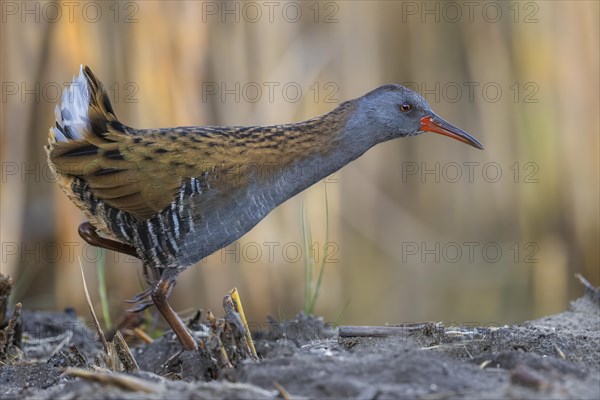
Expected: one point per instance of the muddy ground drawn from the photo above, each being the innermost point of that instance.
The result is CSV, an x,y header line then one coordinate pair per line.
x,y
554,357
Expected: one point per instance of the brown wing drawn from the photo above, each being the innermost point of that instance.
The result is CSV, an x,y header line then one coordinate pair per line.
x,y
136,171
140,187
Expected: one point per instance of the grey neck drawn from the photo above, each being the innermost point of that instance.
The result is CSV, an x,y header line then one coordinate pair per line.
x,y
313,168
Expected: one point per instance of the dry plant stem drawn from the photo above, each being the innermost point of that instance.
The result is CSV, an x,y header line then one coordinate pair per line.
x,y
559,352
282,392
235,296
451,346
96,322
224,356
116,379
12,323
124,354
594,292
143,336
380,331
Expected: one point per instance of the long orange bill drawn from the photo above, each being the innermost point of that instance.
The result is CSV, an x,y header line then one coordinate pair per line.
x,y
433,123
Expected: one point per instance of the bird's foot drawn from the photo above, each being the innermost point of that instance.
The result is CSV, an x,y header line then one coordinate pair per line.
x,y
140,296
139,299
140,306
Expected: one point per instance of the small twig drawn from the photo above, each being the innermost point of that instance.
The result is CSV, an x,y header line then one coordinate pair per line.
x,y
96,322
115,379
282,392
592,291
237,302
382,331
454,345
223,353
144,337
467,351
559,352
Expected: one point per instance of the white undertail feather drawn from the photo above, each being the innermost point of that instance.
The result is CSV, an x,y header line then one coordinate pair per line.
x,y
72,114
77,144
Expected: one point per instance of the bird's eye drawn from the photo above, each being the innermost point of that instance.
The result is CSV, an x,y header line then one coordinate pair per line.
x,y
405,107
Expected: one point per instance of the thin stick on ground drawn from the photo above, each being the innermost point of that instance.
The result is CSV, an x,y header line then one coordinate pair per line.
x,y
143,336
592,291
116,379
89,302
282,392
382,331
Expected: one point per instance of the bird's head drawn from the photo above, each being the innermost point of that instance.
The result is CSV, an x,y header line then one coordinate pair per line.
x,y
393,111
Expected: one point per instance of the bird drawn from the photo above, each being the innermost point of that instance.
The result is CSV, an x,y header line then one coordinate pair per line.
x,y
173,196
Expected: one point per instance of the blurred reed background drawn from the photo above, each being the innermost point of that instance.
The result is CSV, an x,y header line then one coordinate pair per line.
x,y
415,224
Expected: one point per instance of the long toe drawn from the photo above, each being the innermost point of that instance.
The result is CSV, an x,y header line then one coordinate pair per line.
x,y
141,306
140,296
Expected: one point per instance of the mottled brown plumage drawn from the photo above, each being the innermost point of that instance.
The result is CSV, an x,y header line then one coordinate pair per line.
x,y
173,196
152,162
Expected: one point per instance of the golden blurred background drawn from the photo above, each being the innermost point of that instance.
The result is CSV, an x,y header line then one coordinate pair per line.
x,y
418,229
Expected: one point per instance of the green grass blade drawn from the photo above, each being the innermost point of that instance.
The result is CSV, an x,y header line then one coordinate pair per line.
x,y
325,253
308,263
101,271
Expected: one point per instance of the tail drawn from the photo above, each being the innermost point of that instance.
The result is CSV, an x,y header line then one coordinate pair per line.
x,y
85,111
84,142
86,127
85,152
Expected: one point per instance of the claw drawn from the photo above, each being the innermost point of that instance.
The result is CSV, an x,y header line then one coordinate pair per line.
x,y
140,296
141,306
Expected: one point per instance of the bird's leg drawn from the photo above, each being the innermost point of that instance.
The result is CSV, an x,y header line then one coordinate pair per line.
x,y
142,305
159,296
89,234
